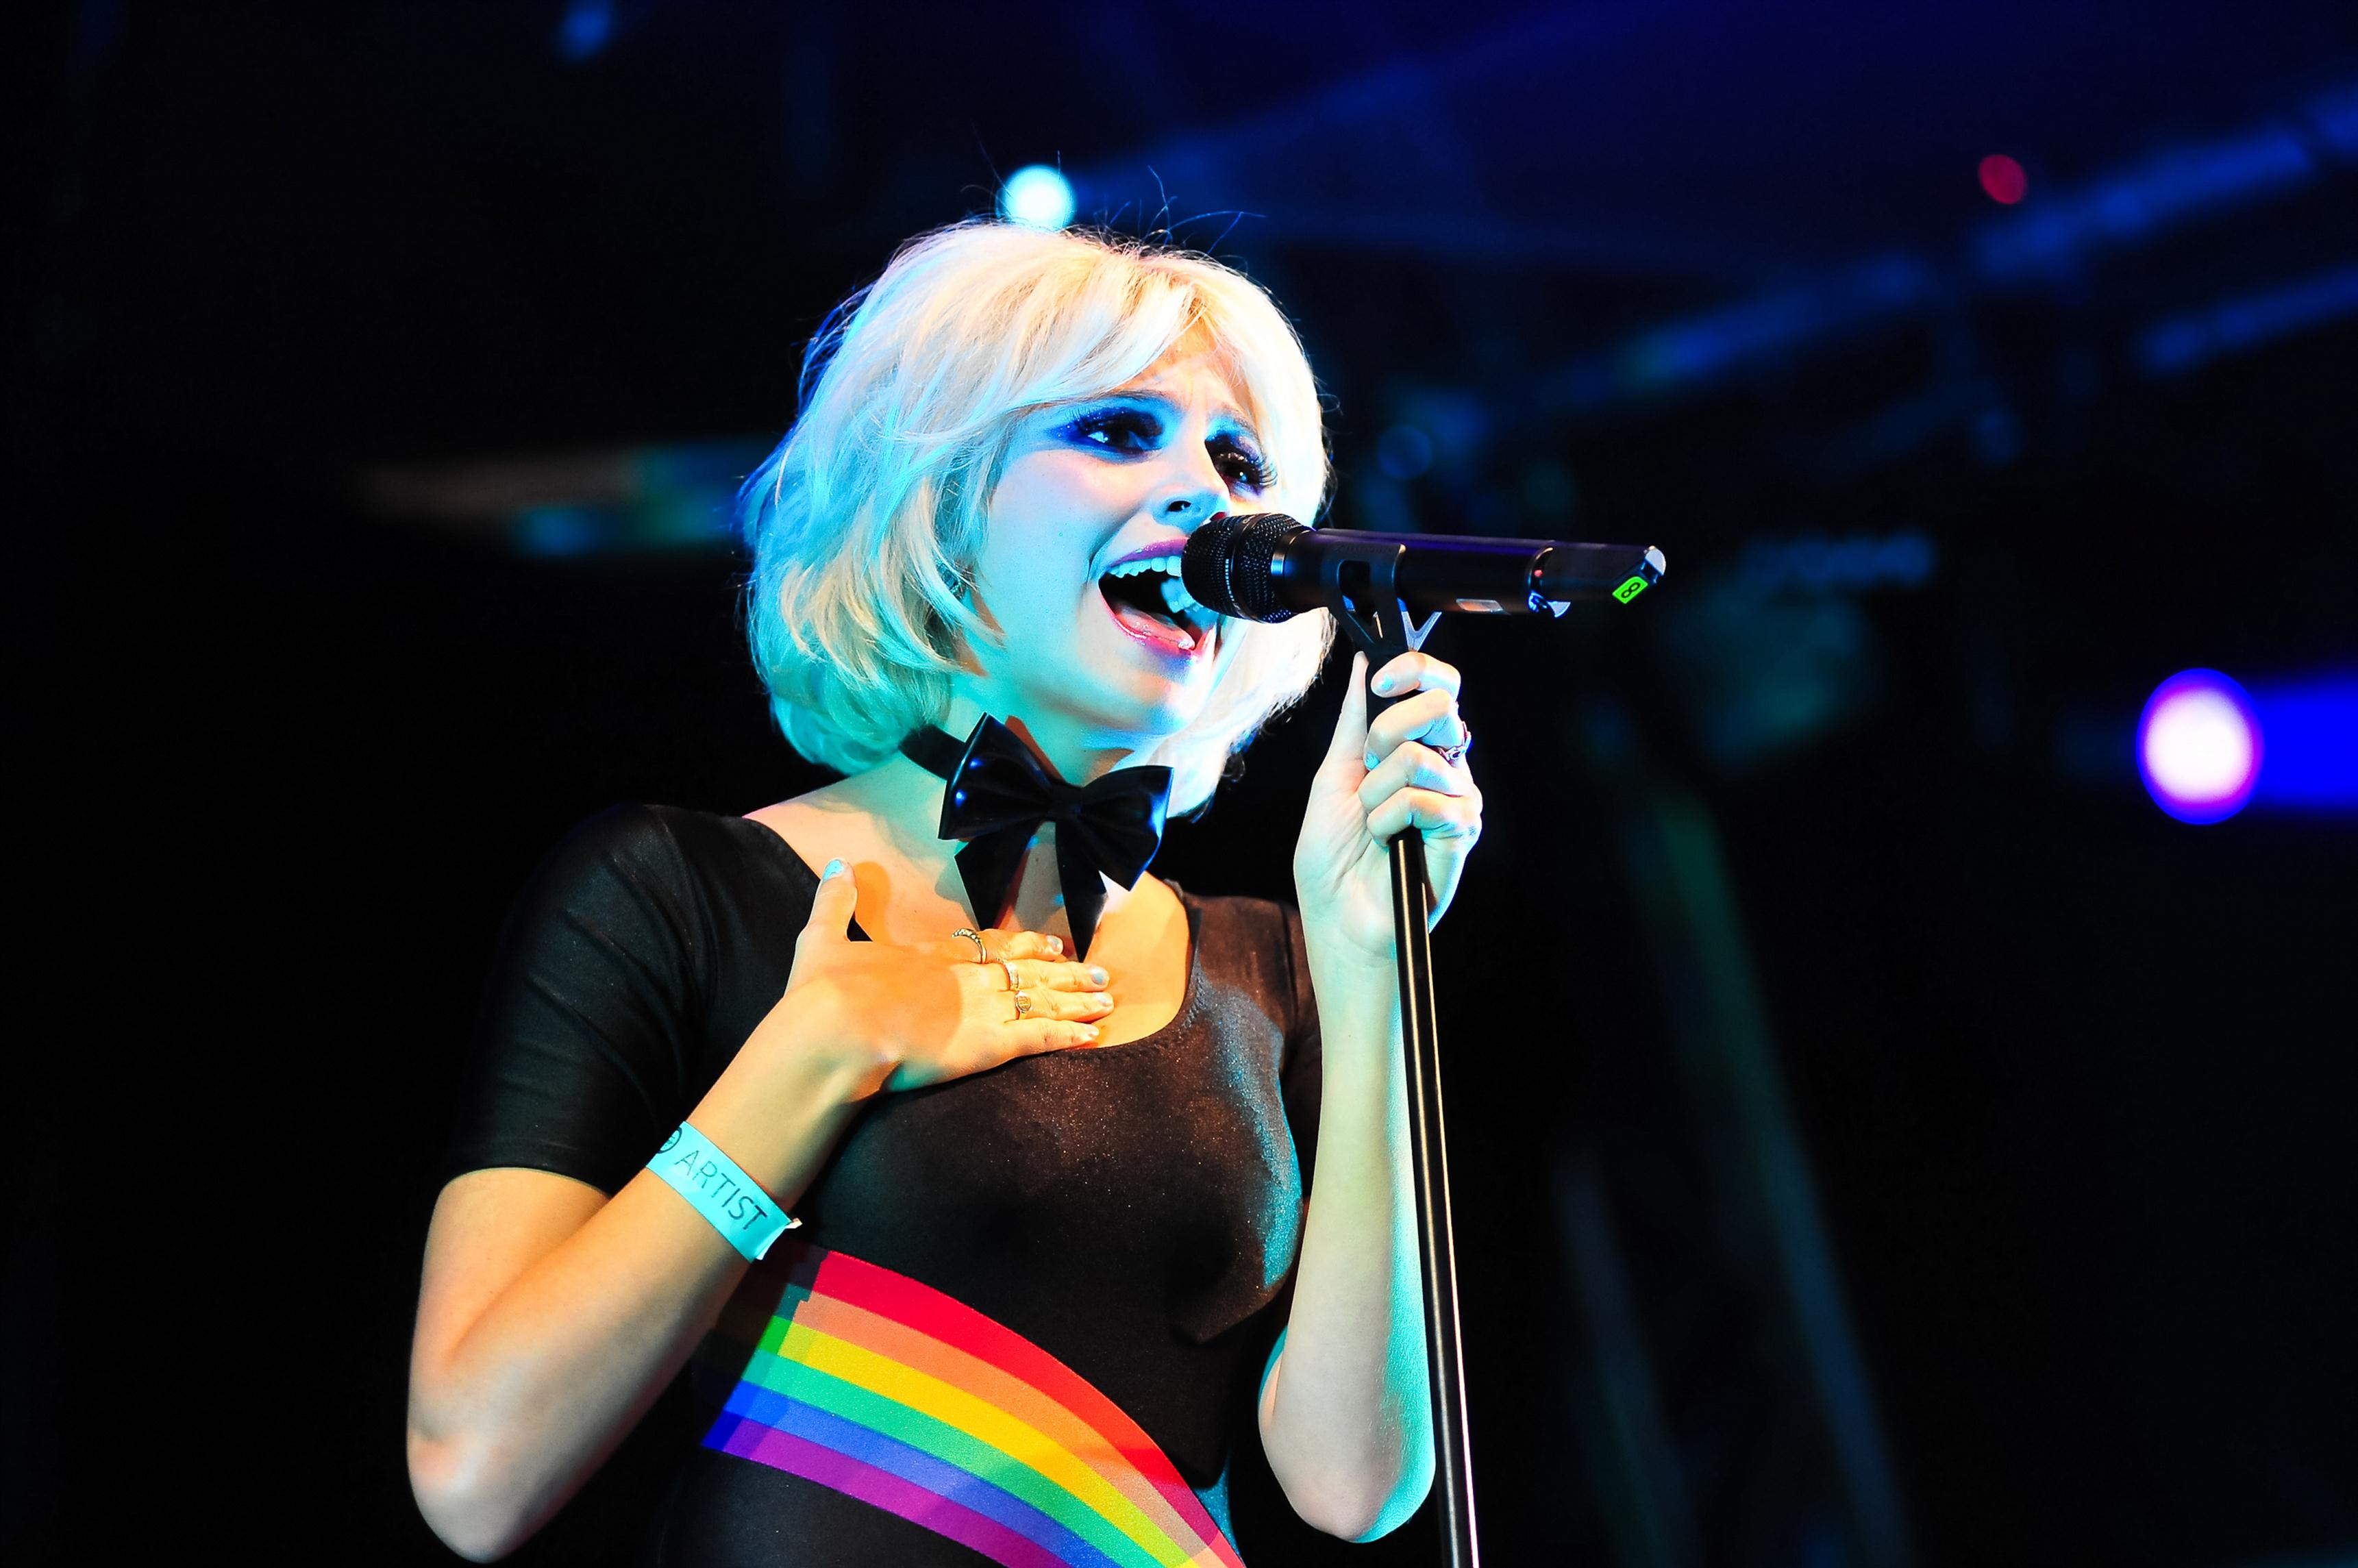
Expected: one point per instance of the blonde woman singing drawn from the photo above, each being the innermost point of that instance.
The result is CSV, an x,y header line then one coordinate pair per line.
x,y
957,1178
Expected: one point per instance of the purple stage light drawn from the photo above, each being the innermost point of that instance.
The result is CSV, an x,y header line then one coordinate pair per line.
x,y
2199,746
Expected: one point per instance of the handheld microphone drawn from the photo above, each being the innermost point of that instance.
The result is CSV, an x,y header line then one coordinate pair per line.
x,y
1266,567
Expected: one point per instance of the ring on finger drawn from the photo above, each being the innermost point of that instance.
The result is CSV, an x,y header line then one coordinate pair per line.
x,y
981,954
1456,754
1023,1004
1012,983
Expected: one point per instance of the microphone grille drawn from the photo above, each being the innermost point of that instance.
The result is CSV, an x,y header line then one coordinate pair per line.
x,y
1227,565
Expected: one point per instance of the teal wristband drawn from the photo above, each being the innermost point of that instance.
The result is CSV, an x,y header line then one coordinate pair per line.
x,y
714,1185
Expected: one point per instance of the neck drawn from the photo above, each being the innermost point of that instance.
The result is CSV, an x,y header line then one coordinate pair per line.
x,y
1075,752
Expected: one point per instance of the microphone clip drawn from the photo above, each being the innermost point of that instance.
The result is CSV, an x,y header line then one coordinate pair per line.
x,y
1360,582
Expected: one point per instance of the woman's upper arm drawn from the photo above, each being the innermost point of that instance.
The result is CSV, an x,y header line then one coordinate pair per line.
x,y
580,1035
592,1014
489,1226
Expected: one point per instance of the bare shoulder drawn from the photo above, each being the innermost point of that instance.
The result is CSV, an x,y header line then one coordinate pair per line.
x,y
906,884
853,797
844,818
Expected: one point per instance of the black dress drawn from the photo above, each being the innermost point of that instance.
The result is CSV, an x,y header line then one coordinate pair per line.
x,y
1134,1211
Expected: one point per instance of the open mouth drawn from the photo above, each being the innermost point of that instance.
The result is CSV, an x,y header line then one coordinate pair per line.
x,y
1152,605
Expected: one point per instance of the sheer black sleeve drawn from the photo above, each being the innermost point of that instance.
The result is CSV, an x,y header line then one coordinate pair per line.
x,y
582,1063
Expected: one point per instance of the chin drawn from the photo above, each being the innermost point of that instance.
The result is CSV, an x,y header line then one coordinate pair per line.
x,y
1165,694
1111,681
1142,698
1149,711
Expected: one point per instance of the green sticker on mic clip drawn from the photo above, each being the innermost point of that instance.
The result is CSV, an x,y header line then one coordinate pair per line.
x,y
1630,590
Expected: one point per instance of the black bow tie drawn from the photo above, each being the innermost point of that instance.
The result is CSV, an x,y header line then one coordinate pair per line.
x,y
999,795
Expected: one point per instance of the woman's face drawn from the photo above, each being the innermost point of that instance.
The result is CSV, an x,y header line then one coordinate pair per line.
x,y
1079,568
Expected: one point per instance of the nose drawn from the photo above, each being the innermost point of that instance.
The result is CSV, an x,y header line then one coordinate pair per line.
x,y
1192,492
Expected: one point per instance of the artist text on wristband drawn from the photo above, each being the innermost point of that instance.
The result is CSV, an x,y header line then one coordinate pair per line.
x,y
731,1202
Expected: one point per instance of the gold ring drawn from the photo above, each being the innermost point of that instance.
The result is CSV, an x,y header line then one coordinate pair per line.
x,y
981,954
1023,1004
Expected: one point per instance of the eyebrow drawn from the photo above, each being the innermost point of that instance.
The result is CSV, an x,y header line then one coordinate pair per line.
x,y
1244,425
1221,412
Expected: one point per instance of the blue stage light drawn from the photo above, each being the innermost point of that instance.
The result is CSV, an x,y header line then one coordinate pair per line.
x,y
2200,747
2312,731
1037,196
587,27
1403,452
1816,564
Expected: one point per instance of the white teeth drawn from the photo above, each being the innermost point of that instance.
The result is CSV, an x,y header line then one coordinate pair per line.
x,y
1169,564
1176,595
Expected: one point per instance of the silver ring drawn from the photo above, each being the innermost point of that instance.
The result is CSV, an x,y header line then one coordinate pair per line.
x,y
1456,754
1012,983
1023,1004
982,953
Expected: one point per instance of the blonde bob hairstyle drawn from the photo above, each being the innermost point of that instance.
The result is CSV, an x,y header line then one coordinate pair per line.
x,y
865,523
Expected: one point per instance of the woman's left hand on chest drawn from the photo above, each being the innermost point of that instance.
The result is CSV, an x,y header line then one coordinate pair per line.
x,y
1379,780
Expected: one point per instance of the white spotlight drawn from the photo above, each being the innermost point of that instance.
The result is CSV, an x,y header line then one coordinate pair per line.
x,y
2199,746
1038,196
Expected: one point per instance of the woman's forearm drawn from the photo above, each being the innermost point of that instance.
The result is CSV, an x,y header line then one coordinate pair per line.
x,y
1346,1415
544,1335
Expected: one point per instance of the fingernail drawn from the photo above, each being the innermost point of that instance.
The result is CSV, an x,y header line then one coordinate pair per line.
x,y
1056,945
1103,1000
834,869
1089,1032
1383,683
1098,976
1372,762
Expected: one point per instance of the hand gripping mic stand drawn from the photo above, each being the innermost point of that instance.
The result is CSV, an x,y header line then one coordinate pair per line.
x,y
1262,569
1361,590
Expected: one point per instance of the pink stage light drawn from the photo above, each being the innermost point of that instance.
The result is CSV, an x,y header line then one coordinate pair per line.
x,y
2002,180
2199,746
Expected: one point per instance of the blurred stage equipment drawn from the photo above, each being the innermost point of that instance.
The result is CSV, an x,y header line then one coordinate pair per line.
x,y
2050,242
1769,1234
1777,651
2248,321
620,501
1269,568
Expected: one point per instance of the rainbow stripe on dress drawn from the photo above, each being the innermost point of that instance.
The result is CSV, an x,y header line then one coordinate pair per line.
x,y
869,1383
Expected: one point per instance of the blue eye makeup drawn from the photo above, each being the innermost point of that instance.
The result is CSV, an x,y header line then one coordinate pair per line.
x,y
1132,431
1239,464
1119,428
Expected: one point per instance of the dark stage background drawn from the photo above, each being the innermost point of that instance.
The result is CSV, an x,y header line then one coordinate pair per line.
x,y
1881,1134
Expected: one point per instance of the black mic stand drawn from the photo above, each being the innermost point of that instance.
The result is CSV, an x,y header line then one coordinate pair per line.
x,y
1360,588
